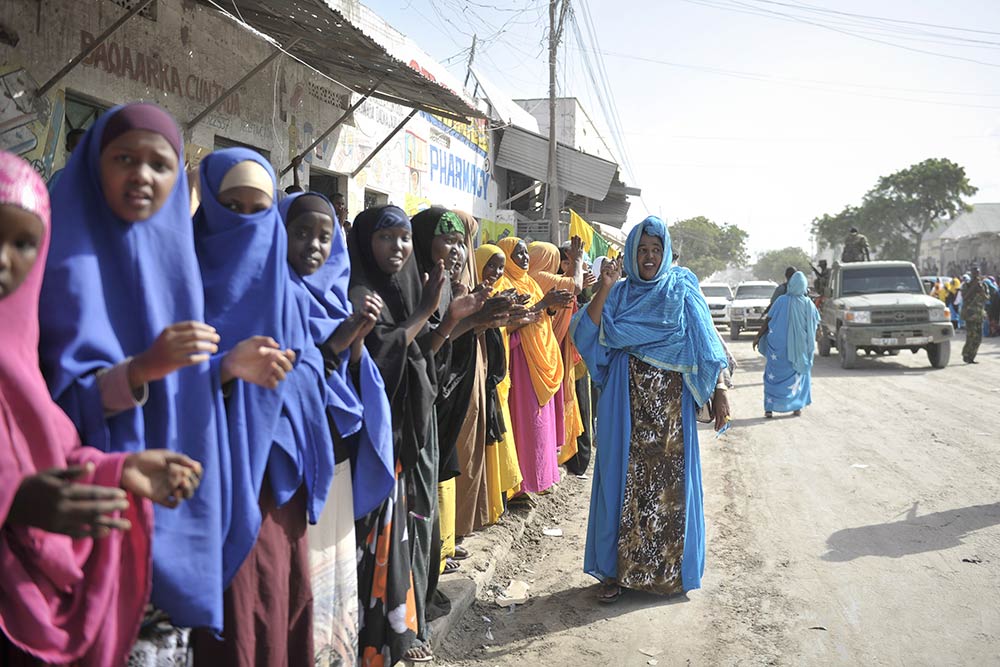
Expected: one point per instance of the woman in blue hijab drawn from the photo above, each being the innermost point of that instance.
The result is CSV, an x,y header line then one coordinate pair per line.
x,y
360,419
281,444
125,350
787,341
650,346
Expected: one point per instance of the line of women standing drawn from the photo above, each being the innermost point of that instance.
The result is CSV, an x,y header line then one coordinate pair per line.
x,y
318,417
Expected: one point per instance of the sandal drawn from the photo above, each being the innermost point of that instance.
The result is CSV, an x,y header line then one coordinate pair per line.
x,y
461,553
797,413
609,592
768,415
419,652
451,565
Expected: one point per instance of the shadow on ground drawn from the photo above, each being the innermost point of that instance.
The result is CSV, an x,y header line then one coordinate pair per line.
x,y
911,535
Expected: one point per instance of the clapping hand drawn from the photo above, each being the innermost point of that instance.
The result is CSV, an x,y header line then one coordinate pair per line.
x,y
163,476
258,360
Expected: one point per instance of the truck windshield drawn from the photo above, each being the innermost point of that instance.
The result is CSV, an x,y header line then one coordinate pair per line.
x,y
879,280
754,291
716,290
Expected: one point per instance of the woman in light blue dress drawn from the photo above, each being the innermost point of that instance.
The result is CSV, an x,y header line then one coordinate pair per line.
x,y
787,342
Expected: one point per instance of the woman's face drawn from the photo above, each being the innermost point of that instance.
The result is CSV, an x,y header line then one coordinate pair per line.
x,y
244,200
449,248
520,255
21,236
459,266
310,239
493,271
391,247
138,172
649,256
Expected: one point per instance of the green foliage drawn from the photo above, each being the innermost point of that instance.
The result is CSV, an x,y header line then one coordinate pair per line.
x,y
706,247
771,265
901,209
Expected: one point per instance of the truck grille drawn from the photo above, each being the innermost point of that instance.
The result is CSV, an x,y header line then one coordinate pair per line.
x,y
717,306
908,316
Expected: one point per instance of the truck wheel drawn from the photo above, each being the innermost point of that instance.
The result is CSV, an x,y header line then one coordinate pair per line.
x,y
939,354
848,353
734,332
824,345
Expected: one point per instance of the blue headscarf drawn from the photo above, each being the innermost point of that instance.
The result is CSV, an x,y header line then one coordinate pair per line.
x,y
110,288
663,321
365,419
248,292
802,321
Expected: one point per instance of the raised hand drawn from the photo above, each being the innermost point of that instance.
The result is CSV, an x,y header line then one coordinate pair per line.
x,y
557,298
179,345
52,501
163,476
465,306
589,279
611,273
575,248
258,360
430,299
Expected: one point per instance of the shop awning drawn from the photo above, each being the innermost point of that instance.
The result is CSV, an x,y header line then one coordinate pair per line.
x,y
528,153
344,51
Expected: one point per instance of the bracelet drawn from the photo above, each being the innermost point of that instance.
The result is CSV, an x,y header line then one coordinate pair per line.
x,y
721,387
440,335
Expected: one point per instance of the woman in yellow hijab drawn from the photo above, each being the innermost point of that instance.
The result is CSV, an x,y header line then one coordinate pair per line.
x,y
503,476
536,374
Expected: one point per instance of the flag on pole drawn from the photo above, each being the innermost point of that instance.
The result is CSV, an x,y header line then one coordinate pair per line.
x,y
594,244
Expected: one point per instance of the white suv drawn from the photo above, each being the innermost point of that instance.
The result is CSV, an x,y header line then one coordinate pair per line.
x,y
718,296
746,310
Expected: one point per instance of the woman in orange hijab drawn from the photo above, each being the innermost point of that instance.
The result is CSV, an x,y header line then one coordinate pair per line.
x,y
536,373
544,262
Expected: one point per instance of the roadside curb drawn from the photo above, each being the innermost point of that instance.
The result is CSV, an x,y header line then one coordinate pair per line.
x,y
488,548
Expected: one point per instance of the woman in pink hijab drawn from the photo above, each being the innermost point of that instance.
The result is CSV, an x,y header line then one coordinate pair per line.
x,y
74,522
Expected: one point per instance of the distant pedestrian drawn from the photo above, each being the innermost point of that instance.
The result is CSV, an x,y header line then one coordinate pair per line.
x,y
786,341
974,298
856,248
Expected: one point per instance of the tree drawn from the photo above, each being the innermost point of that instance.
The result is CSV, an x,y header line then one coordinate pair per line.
x,y
706,247
771,265
901,209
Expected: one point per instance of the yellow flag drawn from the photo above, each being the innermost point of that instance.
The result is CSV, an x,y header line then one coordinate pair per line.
x,y
579,227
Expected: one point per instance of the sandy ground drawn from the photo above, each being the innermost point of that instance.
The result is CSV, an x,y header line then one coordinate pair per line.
x,y
866,532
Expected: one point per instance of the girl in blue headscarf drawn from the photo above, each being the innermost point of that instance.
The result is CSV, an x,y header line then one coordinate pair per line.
x,y
787,341
650,346
360,418
125,350
281,444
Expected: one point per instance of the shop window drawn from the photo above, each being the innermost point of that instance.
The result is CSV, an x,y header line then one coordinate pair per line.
x,y
81,112
148,13
375,199
326,182
222,142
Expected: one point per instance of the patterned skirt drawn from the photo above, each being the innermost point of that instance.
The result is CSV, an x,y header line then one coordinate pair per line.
x,y
651,535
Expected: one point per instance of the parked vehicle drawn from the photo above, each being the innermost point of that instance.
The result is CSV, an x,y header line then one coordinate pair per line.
x,y
746,310
718,296
881,308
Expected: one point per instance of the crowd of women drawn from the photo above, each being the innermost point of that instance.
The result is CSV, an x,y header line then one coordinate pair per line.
x,y
318,416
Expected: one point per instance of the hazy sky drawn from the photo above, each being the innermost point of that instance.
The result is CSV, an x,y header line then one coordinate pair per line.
x,y
745,116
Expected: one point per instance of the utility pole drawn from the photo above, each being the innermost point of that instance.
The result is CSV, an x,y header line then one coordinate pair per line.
x,y
468,68
557,15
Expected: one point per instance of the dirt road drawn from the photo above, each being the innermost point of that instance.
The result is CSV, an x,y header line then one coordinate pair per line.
x,y
866,532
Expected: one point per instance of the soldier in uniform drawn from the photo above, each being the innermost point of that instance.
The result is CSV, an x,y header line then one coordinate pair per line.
x,y
822,277
855,248
974,298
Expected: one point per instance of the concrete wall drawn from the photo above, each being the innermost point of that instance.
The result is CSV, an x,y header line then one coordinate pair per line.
x,y
186,58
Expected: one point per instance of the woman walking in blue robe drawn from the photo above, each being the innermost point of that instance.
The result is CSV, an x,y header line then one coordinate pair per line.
x,y
787,342
650,347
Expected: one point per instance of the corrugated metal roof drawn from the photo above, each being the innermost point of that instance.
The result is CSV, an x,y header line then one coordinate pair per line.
x,y
339,48
528,153
982,219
